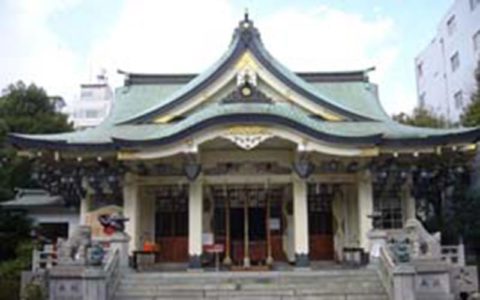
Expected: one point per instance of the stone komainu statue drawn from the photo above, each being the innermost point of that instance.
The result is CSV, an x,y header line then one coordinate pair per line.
x,y
112,223
74,250
424,245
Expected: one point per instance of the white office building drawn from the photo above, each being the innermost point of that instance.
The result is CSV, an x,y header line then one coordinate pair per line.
x,y
445,68
93,105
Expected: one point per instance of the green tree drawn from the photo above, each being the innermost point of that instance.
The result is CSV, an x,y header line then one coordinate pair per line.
x,y
23,109
432,204
471,114
422,117
468,208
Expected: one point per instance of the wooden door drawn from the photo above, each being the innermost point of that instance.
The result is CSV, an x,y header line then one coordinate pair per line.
x,y
171,224
320,222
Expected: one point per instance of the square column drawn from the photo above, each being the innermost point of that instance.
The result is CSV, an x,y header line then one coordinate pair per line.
x,y
85,204
365,208
195,211
300,222
408,203
131,211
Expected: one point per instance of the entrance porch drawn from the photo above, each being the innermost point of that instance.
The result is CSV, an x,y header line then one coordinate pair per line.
x,y
258,219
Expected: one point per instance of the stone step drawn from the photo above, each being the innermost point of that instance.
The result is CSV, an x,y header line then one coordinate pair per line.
x,y
264,281
268,274
369,285
240,297
360,284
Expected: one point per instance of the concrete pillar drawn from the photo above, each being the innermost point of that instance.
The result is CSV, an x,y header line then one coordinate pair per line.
x,y
300,222
85,205
365,208
147,220
339,216
408,204
195,211
131,211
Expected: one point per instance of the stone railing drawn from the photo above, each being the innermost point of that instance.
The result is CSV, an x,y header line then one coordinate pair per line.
x,y
386,266
454,255
112,273
398,279
44,259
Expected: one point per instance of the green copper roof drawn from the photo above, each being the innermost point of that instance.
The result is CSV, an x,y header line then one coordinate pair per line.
x,y
360,96
107,133
350,95
28,198
135,99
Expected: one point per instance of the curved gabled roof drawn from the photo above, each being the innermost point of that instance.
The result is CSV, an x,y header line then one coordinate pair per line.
x,y
245,38
349,94
364,133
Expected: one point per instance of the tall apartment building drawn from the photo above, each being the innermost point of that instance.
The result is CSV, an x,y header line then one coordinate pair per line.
x,y
93,105
445,68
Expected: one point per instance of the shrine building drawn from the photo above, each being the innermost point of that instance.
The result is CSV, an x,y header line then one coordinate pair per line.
x,y
274,166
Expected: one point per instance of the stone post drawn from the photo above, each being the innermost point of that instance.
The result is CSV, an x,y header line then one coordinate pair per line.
x,y
300,222
404,283
378,239
195,211
84,208
119,241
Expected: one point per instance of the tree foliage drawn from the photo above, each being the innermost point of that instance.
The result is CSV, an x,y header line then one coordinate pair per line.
x,y
23,109
471,114
422,117
438,207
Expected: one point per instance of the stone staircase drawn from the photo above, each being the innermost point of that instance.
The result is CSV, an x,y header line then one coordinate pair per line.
x,y
337,284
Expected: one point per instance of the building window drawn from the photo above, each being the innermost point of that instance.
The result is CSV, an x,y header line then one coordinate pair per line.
x,y
451,25
474,4
476,41
92,114
86,94
388,208
421,100
420,69
458,96
455,61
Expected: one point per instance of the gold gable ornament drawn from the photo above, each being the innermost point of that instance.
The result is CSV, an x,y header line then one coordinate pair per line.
x,y
247,137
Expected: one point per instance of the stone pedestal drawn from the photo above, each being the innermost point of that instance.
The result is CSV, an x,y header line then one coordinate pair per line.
x,y
378,239
432,280
403,283
77,283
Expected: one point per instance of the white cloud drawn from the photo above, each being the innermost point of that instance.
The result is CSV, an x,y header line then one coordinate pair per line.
x,y
327,39
188,36
32,52
154,36
159,36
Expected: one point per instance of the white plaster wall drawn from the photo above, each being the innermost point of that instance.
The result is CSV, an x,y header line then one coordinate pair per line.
x,y
439,82
72,218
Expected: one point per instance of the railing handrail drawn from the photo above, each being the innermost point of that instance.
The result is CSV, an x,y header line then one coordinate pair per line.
x,y
111,269
44,259
387,266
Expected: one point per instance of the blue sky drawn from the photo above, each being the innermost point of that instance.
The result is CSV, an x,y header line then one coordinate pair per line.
x,y
59,44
